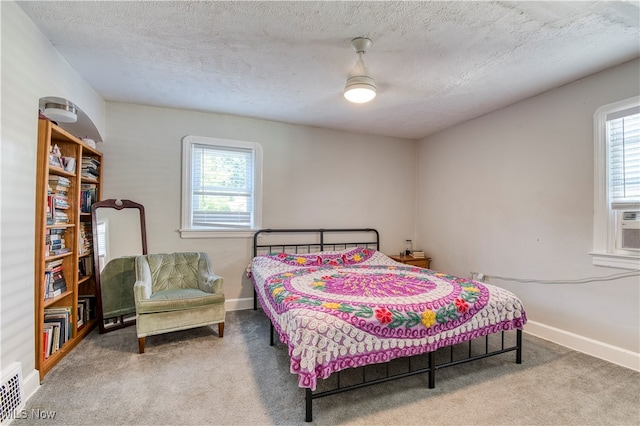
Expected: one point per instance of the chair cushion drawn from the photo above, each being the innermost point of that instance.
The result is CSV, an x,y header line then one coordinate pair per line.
x,y
178,299
173,271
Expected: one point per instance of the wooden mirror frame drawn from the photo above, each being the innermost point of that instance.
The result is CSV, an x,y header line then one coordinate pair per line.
x,y
116,204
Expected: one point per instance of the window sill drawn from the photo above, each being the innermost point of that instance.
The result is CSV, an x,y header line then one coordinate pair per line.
x,y
620,261
218,233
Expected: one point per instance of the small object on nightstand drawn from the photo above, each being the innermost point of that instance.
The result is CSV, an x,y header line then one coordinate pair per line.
x,y
408,247
417,254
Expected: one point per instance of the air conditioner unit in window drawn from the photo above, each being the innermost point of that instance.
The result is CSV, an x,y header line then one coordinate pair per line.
x,y
630,227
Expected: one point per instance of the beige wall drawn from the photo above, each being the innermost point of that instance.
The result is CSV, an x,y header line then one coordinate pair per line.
x,y
511,194
311,178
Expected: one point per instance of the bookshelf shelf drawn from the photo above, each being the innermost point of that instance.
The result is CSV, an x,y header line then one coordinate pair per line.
x,y
58,256
54,300
60,225
60,171
64,291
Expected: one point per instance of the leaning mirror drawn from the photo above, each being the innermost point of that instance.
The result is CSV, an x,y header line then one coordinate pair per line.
x,y
119,232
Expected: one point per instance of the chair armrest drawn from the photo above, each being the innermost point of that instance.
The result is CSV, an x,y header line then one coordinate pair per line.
x,y
141,291
208,281
212,284
142,287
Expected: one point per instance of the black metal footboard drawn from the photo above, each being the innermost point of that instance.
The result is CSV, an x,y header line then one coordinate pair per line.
x,y
303,241
430,368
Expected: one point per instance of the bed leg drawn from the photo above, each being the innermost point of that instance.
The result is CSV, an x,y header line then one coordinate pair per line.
x,y
255,300
432,371
270,334
519,345
308,398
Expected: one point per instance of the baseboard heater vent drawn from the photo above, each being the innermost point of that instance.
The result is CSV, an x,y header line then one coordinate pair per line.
x,y
11,393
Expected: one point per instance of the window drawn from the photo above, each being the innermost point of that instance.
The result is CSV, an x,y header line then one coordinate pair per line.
x,y
221,187
617,185
103,244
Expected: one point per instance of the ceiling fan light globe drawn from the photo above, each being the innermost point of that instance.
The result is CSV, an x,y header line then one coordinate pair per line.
x,y
360,89
359,95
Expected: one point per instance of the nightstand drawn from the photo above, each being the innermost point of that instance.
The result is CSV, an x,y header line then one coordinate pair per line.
x,y
421,262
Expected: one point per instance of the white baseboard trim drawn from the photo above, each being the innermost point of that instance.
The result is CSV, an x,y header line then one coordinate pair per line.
x,y
238,304
31,383
605,351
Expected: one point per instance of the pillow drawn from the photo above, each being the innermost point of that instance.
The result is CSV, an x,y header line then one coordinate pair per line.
x,y
348,256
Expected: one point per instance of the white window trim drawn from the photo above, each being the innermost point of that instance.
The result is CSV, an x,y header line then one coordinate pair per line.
x,y
604,252
185,231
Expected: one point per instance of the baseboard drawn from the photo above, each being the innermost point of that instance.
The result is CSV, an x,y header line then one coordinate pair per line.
x,y
238,304
31,383
605,351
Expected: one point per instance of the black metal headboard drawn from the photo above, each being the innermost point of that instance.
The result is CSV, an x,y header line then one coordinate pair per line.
x,y
313,240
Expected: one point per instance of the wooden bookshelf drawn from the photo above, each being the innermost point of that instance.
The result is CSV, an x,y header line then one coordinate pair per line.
x,y
62,242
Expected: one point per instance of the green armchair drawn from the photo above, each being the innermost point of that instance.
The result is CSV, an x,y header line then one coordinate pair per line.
x,y
175,292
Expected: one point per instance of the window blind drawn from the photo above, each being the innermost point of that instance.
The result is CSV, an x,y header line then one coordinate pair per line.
x,y
222,187
623,134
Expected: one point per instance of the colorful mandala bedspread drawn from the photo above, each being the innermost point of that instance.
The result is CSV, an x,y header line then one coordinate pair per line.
x,y
349,308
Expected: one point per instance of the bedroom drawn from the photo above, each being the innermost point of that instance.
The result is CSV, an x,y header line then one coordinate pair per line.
x,y
518,202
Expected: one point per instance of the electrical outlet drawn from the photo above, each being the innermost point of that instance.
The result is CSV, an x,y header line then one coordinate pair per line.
x,y
480,277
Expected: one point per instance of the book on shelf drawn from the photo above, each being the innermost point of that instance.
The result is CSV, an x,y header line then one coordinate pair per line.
x,y
55,156
90,162
85,239
55,283
50,209
53,293
54,161
60,312
62,181
45,342
47,284
80,317
68,164
90,167
60,217
55,237
59,290
88,302
60,202
51,264
59,318
85,267
54,240
48,338
61,191
86,309
88,196
59,251
58,332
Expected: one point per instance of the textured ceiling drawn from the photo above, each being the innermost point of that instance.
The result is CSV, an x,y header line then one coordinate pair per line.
x,y
435,63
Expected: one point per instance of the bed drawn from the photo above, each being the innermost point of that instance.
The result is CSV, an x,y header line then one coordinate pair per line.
x,y
341,305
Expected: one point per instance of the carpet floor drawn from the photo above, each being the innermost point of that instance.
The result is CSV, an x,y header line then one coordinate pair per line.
x,y
195,378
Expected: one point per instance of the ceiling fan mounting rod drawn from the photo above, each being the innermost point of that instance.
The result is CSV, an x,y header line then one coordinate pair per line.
x,y
361,44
